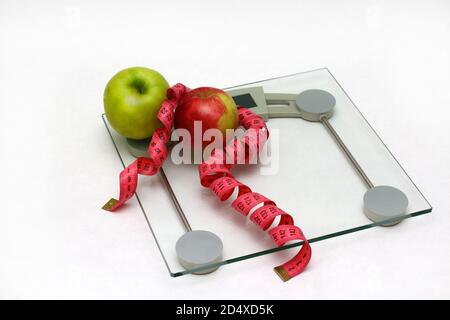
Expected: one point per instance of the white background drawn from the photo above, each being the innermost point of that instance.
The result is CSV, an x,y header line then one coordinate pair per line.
x,y
57,165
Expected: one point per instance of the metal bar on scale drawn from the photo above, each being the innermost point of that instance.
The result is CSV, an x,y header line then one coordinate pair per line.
x,y
347,152
175,200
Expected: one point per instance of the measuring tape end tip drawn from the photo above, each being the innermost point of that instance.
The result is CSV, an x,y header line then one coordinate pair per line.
x,y
282,273
110,205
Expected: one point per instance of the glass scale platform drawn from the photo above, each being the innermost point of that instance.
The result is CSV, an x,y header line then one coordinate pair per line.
x,y
313,179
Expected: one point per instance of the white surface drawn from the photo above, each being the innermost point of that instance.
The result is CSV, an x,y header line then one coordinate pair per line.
x,y
58,169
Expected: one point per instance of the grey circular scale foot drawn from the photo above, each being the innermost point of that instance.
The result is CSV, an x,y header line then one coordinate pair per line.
x,y
385,202
315,103
138,148
199,248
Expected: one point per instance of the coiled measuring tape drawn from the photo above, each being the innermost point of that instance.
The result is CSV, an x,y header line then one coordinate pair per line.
x,y
215,174
156,149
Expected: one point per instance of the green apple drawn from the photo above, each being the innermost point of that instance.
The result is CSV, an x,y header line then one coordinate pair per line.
x,y
132,99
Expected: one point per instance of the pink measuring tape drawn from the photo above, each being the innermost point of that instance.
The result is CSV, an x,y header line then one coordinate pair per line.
x,y
215,174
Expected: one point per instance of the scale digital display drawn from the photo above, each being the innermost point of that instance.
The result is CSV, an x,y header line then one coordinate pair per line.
x,y
245,100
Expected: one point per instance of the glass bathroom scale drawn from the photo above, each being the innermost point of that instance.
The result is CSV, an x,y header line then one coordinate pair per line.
x,y
324,176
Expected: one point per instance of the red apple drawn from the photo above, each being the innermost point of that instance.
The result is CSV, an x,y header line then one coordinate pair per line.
x,y
213,107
